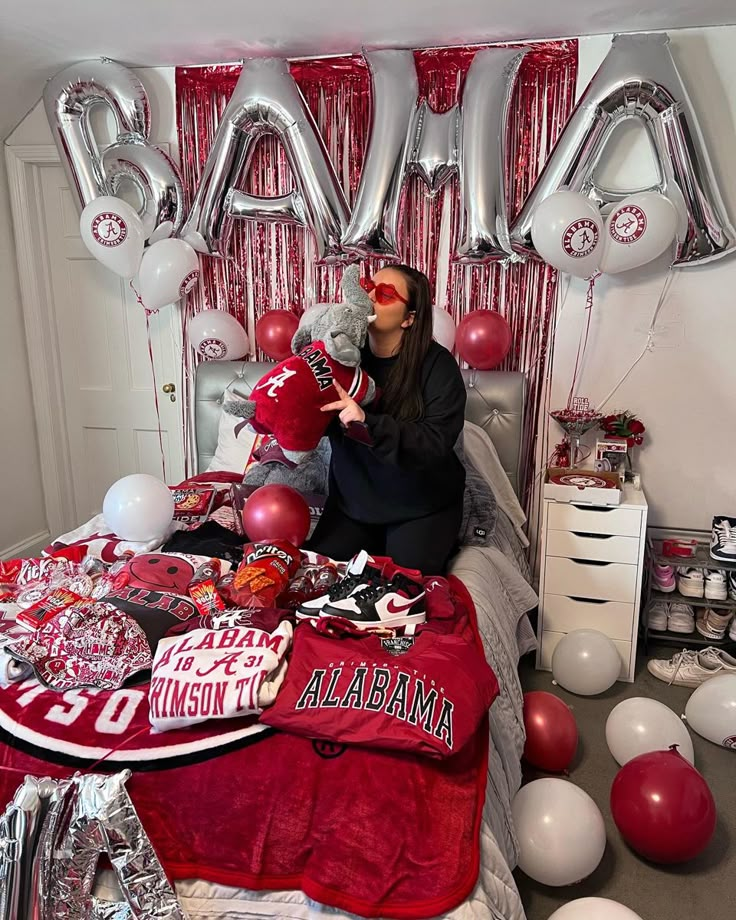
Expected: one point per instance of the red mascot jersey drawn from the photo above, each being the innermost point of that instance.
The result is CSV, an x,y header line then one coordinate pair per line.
x,y
427,697
289,398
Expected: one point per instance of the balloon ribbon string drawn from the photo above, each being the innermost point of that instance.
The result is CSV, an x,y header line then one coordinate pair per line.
x,y
584,332
153,375
132,737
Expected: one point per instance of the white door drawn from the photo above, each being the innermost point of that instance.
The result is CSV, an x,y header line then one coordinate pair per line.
x,y
105,363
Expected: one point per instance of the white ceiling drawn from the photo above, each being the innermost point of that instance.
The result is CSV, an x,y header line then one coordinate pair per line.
x,y
39,37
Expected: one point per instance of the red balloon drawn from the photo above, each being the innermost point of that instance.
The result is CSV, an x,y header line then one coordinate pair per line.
x,y
551,732
276,512
483,339
663,807
274,332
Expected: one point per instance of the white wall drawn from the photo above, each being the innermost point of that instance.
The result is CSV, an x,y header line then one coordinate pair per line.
x,y
685,389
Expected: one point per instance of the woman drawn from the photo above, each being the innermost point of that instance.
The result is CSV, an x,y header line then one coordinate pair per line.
x,y
396,484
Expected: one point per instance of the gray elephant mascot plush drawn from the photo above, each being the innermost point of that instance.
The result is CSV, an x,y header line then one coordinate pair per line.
x,y
286,402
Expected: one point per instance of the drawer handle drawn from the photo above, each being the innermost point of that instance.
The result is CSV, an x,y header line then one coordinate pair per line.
x,y
592,536
596,508
589,562
586,600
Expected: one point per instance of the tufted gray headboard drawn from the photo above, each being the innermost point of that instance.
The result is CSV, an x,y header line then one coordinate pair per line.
x,y
495,403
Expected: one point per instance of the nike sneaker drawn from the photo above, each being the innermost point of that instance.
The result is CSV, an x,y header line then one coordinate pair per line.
x,y
690,581
723,539
714,624
732,585
716,585
691,669
658,614
399,601
358,576
664,578
681,618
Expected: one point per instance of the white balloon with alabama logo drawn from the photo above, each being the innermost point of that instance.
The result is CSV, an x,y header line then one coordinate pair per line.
x,y
217,336
637,230
169,270
138,508
566,231
112,231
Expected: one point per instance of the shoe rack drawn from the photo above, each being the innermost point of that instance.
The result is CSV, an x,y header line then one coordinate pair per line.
x,y
701,560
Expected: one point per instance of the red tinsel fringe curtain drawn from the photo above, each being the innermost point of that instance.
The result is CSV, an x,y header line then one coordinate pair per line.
x,y
273,266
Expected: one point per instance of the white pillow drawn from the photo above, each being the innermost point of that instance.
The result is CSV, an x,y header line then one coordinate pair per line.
x,y
233,451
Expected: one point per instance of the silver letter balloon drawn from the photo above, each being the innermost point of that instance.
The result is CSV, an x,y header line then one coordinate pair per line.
x,y
69,98
266,100
639,79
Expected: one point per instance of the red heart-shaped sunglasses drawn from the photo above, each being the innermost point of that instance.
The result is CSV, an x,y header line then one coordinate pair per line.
x,y
385,293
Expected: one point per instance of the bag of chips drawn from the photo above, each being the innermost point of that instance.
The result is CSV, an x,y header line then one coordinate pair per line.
x,y
263,575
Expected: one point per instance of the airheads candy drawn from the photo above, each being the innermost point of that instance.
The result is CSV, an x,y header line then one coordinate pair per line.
x,y
262,576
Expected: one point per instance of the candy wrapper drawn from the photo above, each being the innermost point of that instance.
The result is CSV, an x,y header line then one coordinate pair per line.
x,y
263,575
43,569
193,505
47,608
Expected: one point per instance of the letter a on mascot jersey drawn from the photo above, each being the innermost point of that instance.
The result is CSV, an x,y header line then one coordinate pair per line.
x,y
287,401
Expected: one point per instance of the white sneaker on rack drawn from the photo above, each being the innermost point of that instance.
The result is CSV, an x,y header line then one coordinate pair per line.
x,y
690,669
723,539
716,585
658,616
690,582
681,619
732,585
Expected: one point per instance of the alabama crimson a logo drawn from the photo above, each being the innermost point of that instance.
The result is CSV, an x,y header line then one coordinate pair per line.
x,y
109,229
213,348
189,281
730,742
627,224
580,238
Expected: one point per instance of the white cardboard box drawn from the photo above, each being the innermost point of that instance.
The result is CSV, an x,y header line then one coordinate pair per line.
x,y
580,492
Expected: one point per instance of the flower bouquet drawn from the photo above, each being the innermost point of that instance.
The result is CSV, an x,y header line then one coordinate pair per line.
x,y
623,424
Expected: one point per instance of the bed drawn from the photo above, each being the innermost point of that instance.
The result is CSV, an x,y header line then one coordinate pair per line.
x,y
497,579
214,766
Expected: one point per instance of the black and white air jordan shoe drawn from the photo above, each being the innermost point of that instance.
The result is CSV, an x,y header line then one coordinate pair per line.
x,y
723,539
358,576
394,602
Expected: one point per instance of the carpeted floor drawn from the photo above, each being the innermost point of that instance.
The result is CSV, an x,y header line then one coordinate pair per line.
x,y
704,888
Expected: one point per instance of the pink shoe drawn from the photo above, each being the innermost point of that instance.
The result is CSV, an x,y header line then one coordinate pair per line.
x,y
664,578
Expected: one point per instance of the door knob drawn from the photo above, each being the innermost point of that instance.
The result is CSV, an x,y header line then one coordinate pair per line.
x,y
169,388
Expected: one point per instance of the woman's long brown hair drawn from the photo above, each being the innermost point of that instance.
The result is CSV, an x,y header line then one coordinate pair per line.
x,y
402,395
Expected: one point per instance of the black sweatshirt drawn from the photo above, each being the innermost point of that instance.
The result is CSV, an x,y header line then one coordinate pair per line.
x,y
410,469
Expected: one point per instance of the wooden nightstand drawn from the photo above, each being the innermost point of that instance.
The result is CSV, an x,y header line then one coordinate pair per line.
x,y
591,574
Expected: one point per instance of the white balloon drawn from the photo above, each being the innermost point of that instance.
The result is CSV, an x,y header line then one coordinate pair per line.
x,y
711,710
443,328
139,508
640,725
567,231
169,270
218,336
636,231
561,832
594,909
112,231
586,662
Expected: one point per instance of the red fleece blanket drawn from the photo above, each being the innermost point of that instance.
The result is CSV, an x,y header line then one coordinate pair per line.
x,y
375,833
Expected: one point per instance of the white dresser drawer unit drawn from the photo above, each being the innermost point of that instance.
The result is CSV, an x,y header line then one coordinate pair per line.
x,y
591,573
